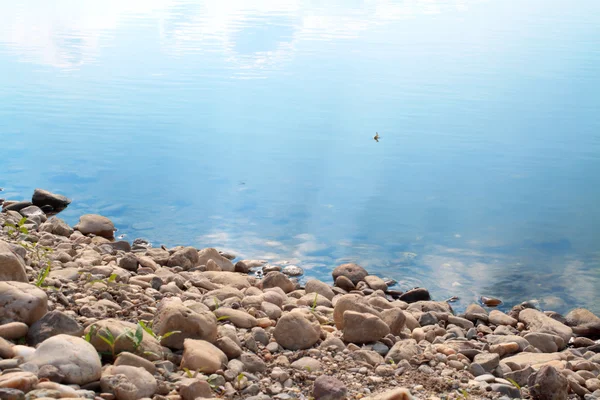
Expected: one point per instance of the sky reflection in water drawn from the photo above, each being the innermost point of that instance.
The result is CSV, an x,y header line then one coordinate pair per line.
x,y
248,126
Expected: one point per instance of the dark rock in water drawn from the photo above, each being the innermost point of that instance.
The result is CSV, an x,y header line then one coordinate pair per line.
x,y
18,206
1,201
52,324
31,211
352,271
292,270
414,295
42,198
390,282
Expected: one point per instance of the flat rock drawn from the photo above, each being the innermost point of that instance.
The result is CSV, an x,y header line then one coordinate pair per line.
x,y
21,302
232,279
75,358
537,321
532,359
545,342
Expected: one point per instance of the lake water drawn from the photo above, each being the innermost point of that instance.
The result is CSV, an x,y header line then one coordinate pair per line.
x,y
248,125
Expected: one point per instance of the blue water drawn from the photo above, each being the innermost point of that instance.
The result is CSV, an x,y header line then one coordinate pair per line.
x,y
248,125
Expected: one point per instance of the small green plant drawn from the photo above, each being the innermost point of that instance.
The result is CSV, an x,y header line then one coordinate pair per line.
x,y
107,336
14,230
111,279
463,393
88,336
42,275
136,337
314,303
148,328
391,361
515,384
216,303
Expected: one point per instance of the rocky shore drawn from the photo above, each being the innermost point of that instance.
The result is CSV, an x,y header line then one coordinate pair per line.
x,y
84,316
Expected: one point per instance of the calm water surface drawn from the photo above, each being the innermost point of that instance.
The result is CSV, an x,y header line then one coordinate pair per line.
x,y
248,125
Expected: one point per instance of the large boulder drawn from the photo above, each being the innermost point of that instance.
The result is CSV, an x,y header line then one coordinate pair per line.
x,y
96,225
395,319
149,348
212,254
52,324
537,321
21,302
172,315
548,384
75,358
363,328
351,302
352,271
202,355
12,266
128,383
297,330
584,322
